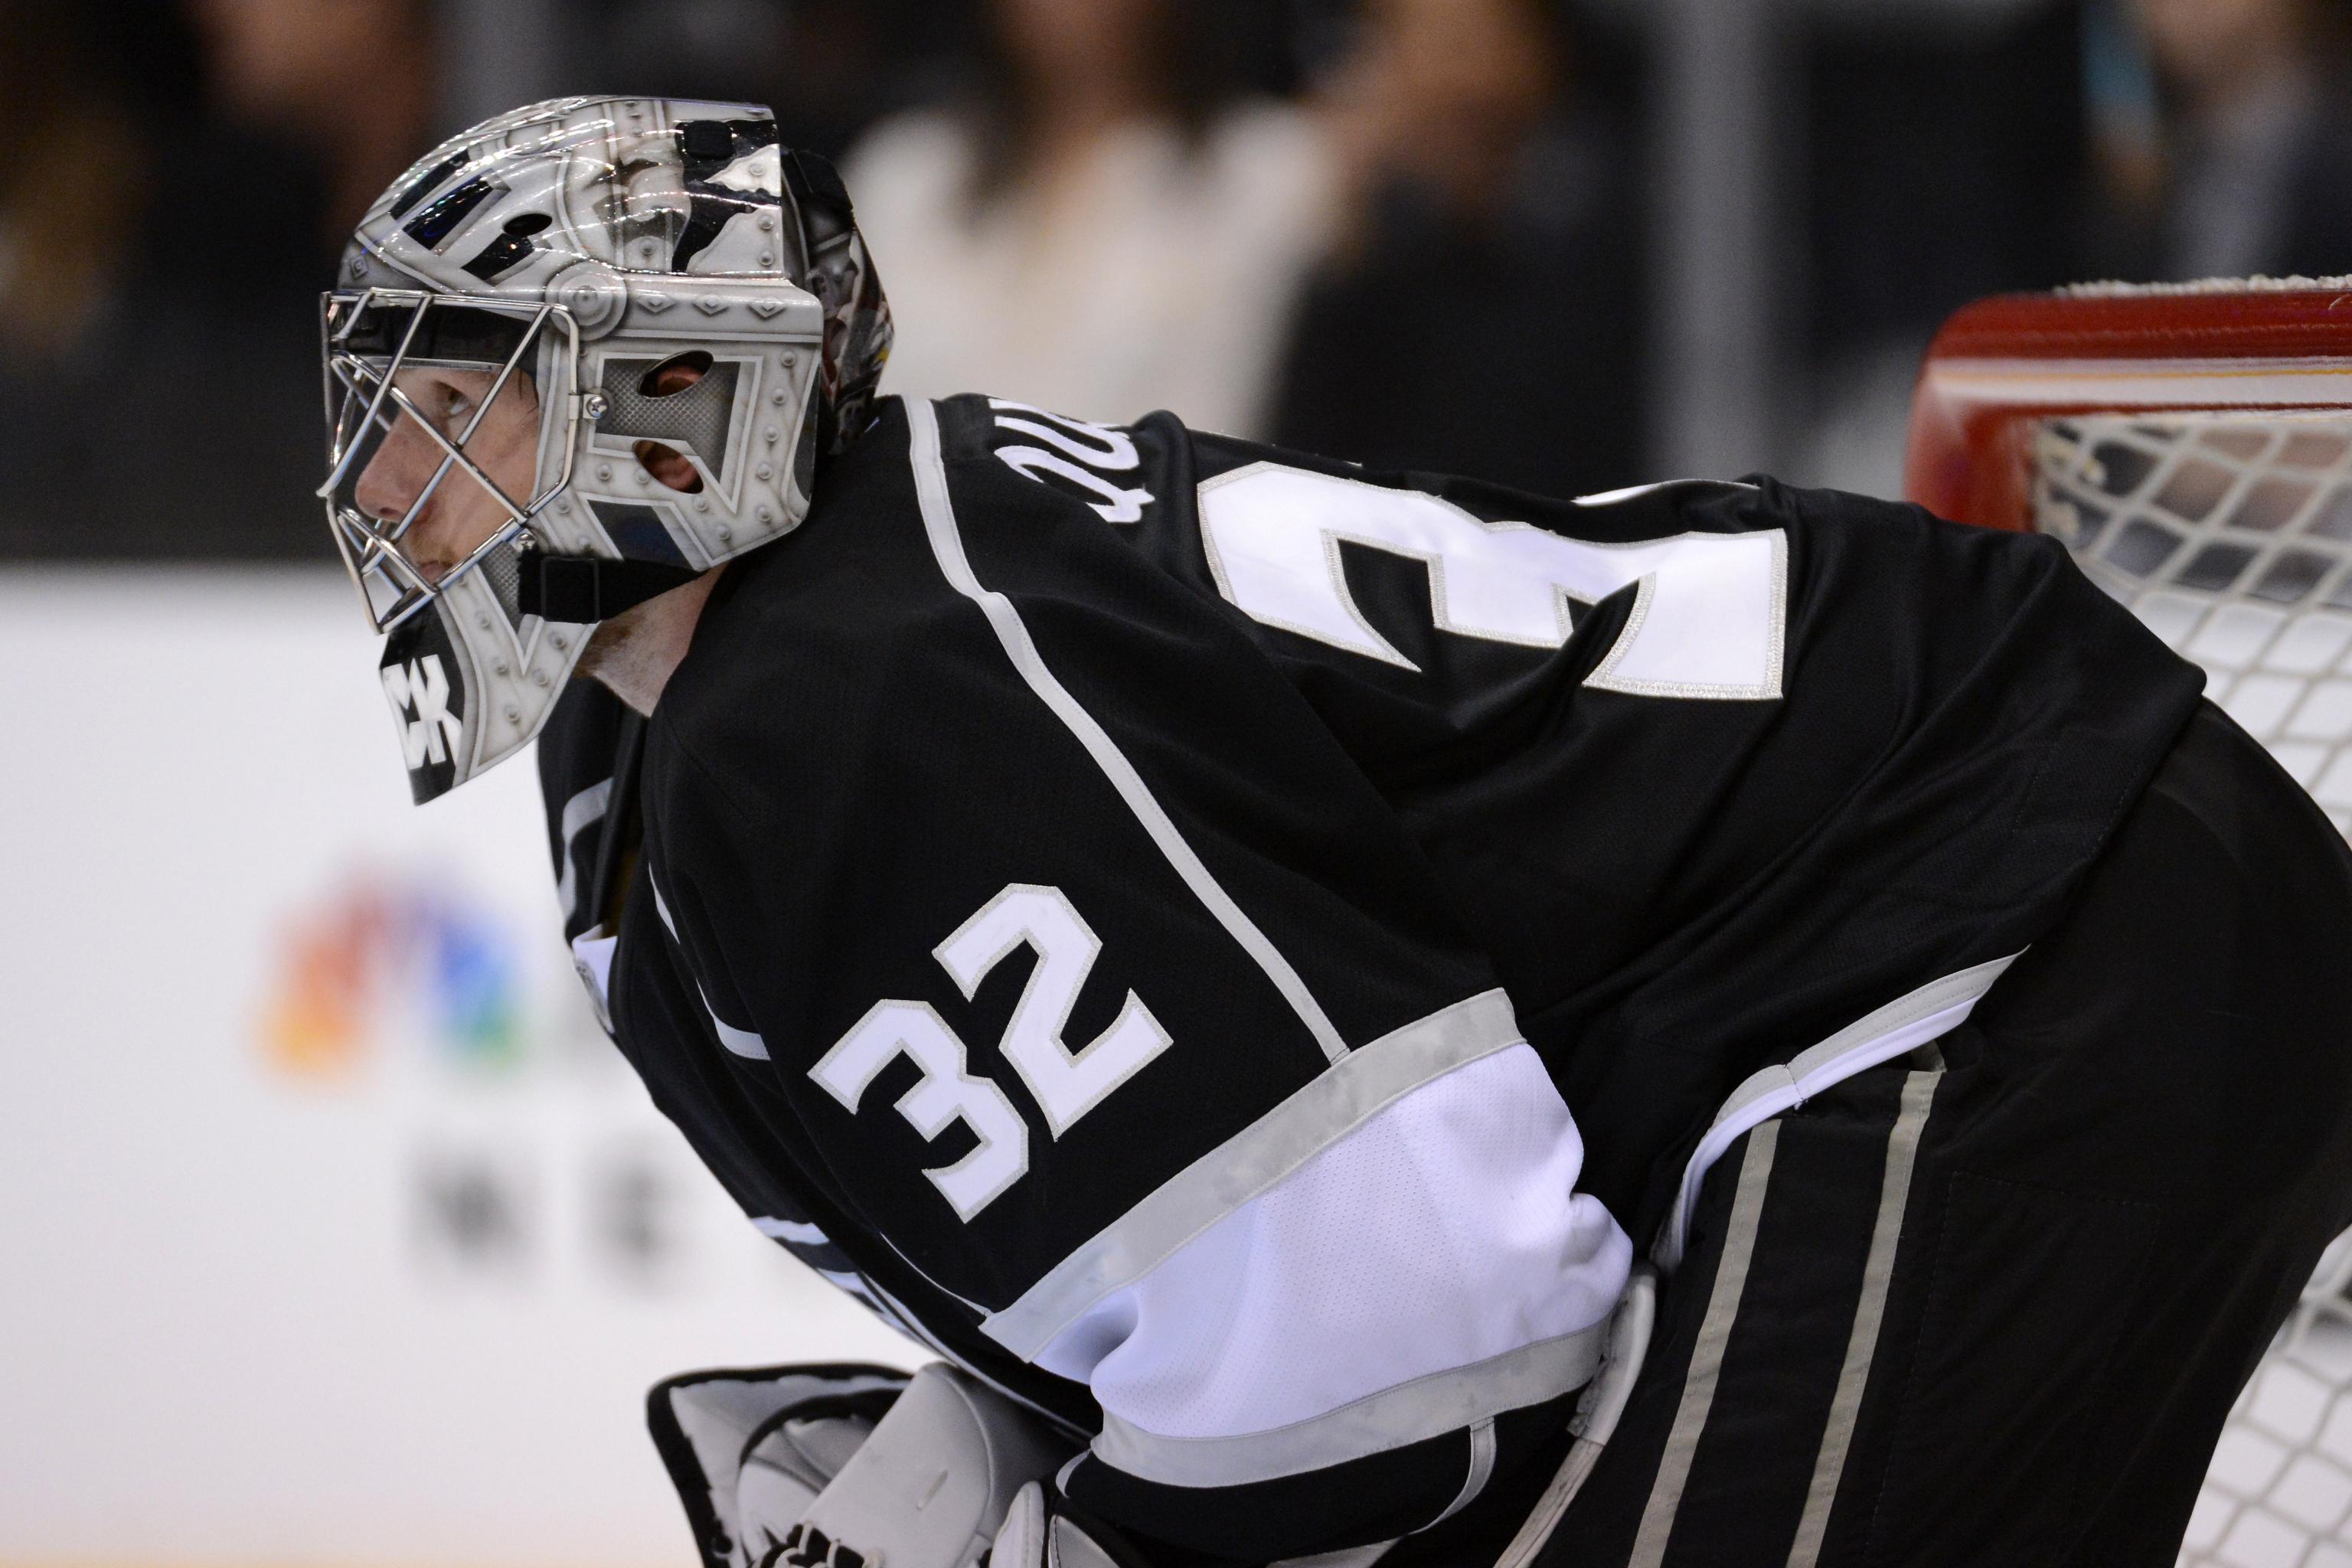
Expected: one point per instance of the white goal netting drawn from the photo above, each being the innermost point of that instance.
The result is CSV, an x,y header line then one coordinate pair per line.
x,y
2279,1494
2230,536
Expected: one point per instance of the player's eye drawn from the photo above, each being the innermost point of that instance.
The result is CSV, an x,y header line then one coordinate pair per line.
x,y
455,407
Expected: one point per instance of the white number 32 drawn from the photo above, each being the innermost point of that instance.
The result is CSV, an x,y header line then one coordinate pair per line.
x,y
1066,1084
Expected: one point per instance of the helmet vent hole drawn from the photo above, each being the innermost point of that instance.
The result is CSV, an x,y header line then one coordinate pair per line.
x,y
662,409
675,374
670,465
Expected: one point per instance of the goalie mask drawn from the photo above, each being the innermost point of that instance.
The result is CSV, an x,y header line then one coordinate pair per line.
x,y
579,354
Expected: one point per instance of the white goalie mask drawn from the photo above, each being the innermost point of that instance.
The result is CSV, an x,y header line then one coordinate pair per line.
x,y
579,354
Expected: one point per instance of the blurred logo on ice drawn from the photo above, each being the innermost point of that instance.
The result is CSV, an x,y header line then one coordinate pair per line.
x,y
385,959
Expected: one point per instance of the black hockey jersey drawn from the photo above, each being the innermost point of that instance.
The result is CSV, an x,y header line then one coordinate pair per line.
x,y
1232,948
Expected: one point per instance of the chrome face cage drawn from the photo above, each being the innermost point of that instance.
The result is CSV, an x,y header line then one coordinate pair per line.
x,y
360,395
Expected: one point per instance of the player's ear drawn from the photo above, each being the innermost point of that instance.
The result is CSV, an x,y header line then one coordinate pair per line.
x,y
668,465
667,379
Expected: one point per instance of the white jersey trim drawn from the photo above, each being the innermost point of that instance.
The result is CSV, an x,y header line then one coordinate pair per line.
x,y
1439,1238
1442,1232
1904,1024
1635,493
1343,1097
581,809
744,1043
947,546
1427,1407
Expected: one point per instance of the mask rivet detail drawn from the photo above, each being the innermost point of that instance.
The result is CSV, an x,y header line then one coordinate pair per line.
x,y
791,359
772,435
701,504
564,506
725,533
777,399
765,513
767,258
766,470
499,667
559,642
539,677
596,405
603,470
766,222
514,715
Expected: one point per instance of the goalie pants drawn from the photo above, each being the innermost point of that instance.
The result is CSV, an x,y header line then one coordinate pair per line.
x,y
1993,1304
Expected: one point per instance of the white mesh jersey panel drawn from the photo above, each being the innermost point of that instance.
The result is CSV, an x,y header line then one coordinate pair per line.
x,y
1444,1231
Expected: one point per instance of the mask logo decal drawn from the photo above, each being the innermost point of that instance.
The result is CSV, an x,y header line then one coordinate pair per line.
x,y
421,687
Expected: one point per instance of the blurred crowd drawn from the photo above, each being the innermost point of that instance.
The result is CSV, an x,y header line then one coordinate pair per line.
x,y
1407,233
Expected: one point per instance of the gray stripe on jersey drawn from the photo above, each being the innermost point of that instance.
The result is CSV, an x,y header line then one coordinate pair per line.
x,y
1347,1094
946,545
1428,1406
580,811
1706,1356
1869,1315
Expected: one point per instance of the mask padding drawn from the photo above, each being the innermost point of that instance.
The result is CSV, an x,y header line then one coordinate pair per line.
x,y
499,570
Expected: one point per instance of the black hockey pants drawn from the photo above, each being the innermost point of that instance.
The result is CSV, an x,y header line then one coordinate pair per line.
x,y
1991,1304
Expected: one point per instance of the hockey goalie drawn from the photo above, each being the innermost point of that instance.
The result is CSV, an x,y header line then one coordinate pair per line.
x,y
1355,1013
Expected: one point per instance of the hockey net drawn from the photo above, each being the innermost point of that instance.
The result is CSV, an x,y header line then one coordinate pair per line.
x,y
2192,447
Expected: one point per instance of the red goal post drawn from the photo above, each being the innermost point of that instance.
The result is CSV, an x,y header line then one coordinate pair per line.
x,y
2192,446
2002,366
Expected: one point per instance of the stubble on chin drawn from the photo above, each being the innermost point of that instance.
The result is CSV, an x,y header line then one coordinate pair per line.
x,y
606,646
611,655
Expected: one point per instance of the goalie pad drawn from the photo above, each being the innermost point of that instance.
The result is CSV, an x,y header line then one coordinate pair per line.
x,y
847,1465
1037,1535
750,1449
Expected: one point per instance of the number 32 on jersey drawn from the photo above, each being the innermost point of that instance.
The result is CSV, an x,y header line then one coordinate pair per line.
x,y
1065,1084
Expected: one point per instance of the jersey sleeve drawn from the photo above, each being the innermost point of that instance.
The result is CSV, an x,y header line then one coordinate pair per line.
x,y
1102,999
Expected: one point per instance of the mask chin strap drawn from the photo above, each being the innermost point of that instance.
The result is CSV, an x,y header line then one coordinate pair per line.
x,y
581,589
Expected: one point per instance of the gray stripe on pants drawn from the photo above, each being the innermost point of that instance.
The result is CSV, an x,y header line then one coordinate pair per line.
x,y
1869,1314
1706,1358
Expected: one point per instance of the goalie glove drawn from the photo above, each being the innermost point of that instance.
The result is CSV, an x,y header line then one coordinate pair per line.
x,y
848,1467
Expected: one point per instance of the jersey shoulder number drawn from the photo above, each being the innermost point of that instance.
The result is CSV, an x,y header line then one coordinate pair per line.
x,y
1708,619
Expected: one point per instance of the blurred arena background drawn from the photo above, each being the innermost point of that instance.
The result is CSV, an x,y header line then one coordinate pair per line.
x,y
330,1230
